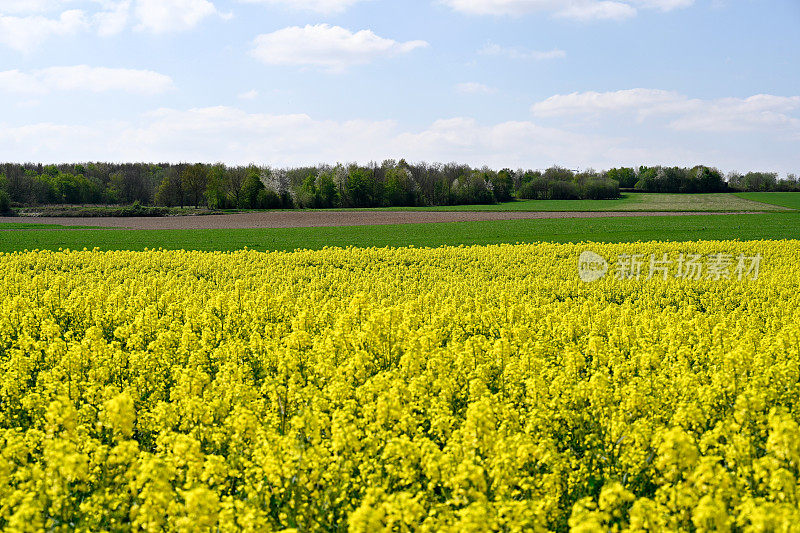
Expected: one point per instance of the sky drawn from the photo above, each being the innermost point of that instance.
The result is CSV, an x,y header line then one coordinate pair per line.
x,y
504,83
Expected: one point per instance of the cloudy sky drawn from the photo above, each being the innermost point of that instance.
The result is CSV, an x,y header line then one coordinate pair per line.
x,y
516,83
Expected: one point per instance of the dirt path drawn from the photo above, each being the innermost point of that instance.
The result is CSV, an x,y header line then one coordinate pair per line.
x,y
305,219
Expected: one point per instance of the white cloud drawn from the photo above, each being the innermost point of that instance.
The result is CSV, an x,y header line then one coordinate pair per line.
x,y
248,95
574,9
472,87
30,25
663,5
512,143
234,136
26,6
331,47
759,112
163,16
45,141
318,6
722,115
594,102
113,19
492,49
17,82
605,10
84,78
26,33
231,135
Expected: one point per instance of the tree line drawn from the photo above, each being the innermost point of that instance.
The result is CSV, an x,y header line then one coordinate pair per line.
x,y
386,184
699,179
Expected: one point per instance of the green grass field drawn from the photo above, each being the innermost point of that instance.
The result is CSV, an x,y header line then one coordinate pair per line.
x,y
628,202
783,199
629,229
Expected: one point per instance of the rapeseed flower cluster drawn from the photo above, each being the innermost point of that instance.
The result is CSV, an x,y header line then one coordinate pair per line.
x,y
447,389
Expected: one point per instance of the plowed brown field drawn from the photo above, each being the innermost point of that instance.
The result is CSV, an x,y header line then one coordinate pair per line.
x,y
304,219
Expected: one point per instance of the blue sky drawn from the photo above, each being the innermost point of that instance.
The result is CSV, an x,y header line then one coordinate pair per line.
x,y
516,83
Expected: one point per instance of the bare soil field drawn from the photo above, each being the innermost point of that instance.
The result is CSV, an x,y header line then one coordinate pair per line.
x,y
308,219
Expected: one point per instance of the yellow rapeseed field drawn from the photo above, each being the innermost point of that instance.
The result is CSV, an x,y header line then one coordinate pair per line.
x,y
449,389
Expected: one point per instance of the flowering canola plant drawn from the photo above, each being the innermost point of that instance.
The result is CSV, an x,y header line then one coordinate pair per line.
x,y
447,389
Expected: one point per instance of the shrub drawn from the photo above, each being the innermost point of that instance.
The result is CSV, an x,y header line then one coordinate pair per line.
x,y
564,190
535,189
599,189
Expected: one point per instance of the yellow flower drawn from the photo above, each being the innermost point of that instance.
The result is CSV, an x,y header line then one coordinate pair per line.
x,y
415,389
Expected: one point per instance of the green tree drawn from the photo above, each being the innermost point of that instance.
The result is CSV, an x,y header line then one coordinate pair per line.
x,y
361,188
400,190
5,202
307,193
646,178
760,181
194,180
269,199
234,181
326,190
215,193
625,176
503,185
473,188
557,173
170,190
251,188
